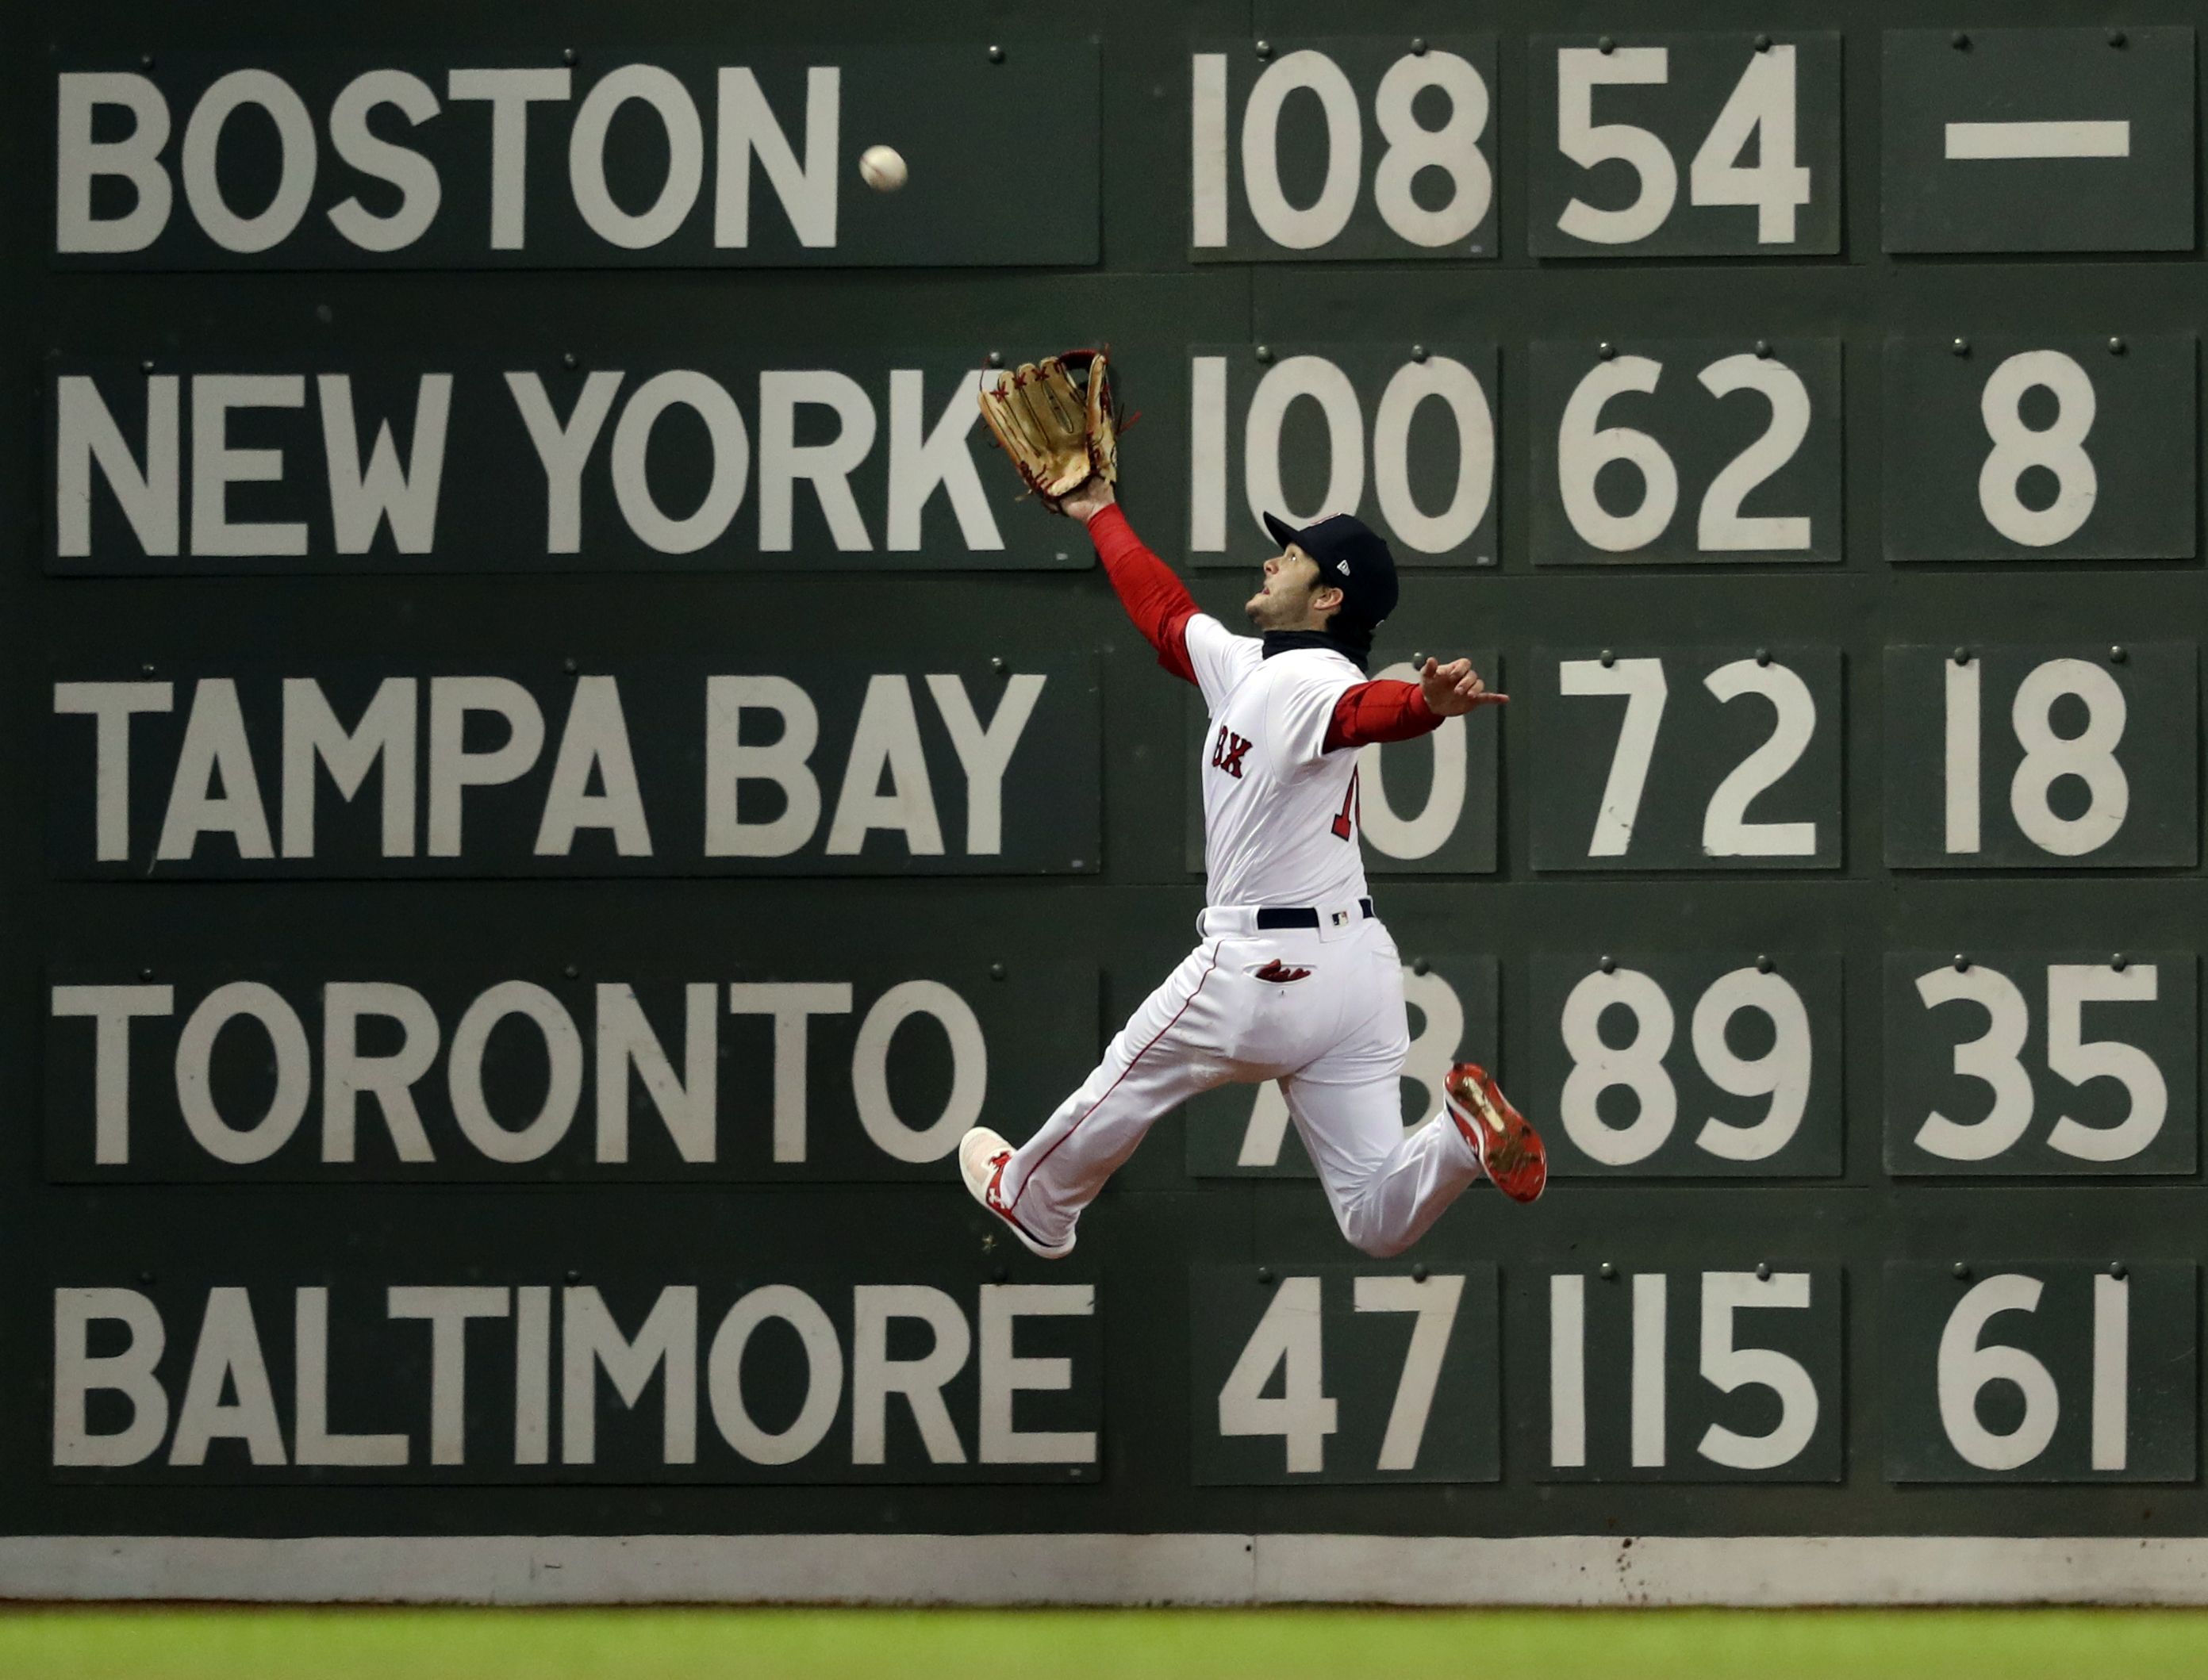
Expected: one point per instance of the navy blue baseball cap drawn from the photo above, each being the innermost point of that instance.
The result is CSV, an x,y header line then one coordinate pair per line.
x,y
1353,557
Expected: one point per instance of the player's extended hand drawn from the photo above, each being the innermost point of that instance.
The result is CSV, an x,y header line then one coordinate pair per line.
x,y
1093,495
1454,689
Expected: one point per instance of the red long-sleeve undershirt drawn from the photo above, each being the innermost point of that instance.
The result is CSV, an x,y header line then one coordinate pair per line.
x,y
1154,598
1161,606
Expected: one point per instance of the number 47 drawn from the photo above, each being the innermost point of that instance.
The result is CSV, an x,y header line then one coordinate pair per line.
x,y
1287,1340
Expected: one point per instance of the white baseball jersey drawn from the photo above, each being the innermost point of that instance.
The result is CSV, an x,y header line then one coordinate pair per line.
x,y
1280,811
1318,1009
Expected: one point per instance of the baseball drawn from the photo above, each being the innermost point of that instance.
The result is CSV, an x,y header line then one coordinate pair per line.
x,y
882,168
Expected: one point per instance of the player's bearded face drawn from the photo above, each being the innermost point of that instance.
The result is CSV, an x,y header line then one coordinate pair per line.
x,y
1283,600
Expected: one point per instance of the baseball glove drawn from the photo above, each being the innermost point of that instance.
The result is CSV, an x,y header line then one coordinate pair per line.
x,y
1055,419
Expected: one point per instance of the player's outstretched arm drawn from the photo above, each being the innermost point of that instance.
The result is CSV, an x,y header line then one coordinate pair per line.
x,y
1156,600
1384,710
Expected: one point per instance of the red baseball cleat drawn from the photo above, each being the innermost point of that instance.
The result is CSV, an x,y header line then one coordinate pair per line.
x,y
1508,1148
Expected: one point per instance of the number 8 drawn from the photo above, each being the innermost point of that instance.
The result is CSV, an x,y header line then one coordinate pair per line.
x,y
1454,147
1638,1066
2059,448
2090,755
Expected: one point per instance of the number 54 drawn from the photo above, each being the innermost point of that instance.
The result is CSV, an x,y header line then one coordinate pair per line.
x,y
1762,104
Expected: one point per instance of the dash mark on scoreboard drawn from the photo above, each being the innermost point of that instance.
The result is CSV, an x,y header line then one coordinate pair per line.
x,y
1996,140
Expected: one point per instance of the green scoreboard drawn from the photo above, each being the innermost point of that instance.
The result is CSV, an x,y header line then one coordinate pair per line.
x,y
554,775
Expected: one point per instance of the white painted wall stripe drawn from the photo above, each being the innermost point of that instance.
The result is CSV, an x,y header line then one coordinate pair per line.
x,y
1112,1570
1996,141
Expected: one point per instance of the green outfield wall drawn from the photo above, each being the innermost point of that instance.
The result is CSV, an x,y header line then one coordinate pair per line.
x,y
552,776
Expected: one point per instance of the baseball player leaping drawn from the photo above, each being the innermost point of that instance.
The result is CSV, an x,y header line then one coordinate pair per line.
x,y
1295,977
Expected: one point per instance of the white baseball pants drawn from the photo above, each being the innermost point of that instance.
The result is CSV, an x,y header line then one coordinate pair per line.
x,y
1335,1037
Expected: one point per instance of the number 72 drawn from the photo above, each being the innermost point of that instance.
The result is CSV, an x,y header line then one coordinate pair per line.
x,y
1726,832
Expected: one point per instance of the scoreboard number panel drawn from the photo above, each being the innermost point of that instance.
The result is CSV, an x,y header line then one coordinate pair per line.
x,y
2040,1371
766,458
1424,807
1686,449
498,764
2009,756
1341,1373
450,149
2046,448
720,1062
2038,140
1687,758
1454,1001
1345,148
1688,1064
2004,1062
1401,434
689,1352
1707,144
1691,1376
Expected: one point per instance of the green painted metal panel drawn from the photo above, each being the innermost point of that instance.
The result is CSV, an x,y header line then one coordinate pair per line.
x,y
1681,1374
1853,868
2003,1063
2038,140
2041,757
783,1065
1981,1356
2048,448
534,770
1290,428
1722,143
1709,449
1689,1064
666,151
1651,761
1382,1373
1311,149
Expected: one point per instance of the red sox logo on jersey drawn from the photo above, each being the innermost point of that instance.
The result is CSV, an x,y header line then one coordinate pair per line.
x,y
1228,751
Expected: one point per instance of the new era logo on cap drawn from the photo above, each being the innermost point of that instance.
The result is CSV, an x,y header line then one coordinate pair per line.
x,y
1342,566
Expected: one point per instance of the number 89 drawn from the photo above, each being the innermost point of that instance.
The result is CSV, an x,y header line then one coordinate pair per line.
x,y
1782,1074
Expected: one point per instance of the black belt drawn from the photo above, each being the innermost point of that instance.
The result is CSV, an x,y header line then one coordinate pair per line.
x,y
1278,917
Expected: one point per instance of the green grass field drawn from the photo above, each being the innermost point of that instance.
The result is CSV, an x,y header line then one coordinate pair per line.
x,y
249,1644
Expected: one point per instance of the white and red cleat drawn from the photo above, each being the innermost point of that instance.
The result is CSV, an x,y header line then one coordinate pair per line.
x,y
981,1157
1508,1148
